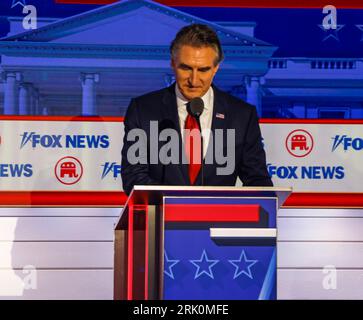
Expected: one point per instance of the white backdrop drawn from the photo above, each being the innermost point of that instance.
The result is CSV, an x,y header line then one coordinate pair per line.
x,y
327,158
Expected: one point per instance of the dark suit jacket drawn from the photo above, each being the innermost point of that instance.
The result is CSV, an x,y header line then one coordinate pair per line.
x,y
161,106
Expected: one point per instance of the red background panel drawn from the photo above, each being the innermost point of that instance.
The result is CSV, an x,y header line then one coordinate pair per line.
x,y
353,4
118,199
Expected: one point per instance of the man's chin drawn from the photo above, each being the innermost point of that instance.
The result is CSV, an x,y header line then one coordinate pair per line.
x,y
191,94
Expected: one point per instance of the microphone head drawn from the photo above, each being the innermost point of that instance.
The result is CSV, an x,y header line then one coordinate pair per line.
x,y
196,107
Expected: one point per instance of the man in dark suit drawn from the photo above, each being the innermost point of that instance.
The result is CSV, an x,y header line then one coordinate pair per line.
x,y
231,143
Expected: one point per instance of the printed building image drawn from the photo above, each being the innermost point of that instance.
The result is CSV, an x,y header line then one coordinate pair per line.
x,y
94,62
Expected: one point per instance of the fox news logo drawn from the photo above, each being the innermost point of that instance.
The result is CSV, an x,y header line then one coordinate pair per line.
x,y
347,143
306,172
67,141
113,168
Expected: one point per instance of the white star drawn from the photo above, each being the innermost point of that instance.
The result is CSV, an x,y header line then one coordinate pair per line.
x,y
171,263
208,264
360,27
243,264
16,2
331,33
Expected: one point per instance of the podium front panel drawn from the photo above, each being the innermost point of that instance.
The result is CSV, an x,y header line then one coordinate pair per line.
x,y
219,248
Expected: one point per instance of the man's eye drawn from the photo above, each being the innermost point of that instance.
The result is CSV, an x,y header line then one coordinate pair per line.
x,y
184,67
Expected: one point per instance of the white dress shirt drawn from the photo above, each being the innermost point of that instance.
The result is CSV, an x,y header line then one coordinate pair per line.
x,y
205,118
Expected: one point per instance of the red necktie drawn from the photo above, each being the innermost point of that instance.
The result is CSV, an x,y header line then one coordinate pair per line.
x,y
193,143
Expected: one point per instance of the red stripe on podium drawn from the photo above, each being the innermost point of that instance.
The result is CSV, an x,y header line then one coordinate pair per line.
x,y
146,277
130,254
212,213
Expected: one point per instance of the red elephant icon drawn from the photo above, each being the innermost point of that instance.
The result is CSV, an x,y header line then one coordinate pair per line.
x,y
299,141
69,169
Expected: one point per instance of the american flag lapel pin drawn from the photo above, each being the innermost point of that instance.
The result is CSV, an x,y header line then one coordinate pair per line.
x,y
220,115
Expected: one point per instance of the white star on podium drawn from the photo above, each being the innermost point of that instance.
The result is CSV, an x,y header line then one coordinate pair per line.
x,y
208,264
171,263
243,265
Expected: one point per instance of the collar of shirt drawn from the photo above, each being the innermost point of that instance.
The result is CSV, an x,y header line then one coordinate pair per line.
x,y
205,118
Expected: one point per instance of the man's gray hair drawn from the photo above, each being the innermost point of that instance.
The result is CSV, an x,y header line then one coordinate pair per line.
x,y
197,35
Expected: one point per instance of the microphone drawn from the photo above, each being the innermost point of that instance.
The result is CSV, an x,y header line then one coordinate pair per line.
x,y
196,107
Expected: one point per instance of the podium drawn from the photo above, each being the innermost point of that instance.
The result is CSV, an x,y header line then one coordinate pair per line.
x,y
183,243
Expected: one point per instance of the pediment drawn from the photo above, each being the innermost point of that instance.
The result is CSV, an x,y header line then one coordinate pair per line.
x,y
141,26
136,22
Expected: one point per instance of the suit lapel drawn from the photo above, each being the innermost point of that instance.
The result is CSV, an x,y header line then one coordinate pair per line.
x,y
219,121
219,111
170,111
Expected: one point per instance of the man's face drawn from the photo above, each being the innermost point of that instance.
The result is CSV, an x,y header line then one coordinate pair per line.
x,y
194,70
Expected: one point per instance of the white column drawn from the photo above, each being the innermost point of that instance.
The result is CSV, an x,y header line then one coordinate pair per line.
x,y
254,92
44,111
89,81
356,111
25,98
312,112
11,88
32,101
299,110
35,101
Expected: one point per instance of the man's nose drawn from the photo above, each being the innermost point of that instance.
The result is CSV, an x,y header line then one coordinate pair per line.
x,y
193,79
